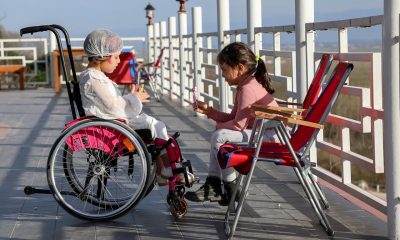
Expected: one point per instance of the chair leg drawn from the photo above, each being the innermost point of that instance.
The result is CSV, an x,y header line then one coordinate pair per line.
x,y
232,208
321,195
230,231
314,202
306,186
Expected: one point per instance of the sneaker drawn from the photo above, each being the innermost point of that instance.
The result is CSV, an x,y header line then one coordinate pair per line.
x,y
229,188
210,191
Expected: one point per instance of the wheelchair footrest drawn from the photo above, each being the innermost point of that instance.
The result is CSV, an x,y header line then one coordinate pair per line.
x,y
184,168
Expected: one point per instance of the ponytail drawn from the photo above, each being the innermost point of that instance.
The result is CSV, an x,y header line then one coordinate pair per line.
x,y
239,53
262,76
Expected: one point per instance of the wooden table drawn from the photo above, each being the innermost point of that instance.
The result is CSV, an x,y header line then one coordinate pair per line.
x,y
19,69
57,65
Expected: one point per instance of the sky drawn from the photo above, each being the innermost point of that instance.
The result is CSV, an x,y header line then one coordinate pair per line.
x,y
127,17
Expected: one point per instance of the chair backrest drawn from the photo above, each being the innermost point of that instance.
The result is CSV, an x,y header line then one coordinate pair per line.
x,y
123,73
158,61
322,107
316,85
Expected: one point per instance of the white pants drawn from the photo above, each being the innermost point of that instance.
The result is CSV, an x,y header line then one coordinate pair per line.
x,y
144,121
221,136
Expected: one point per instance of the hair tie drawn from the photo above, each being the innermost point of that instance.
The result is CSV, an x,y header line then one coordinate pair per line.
x,y
257,58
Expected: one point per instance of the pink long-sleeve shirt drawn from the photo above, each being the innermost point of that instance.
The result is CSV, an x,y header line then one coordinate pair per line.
x,y
248,92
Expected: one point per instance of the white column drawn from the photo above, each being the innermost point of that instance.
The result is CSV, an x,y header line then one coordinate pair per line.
x,y
52,47
171,34
156,42
150,43
223,25
304,14
182,22
253,20
163,34
197,27
391,138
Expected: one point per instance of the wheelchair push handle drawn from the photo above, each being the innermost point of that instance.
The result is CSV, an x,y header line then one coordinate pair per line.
x,y
34,29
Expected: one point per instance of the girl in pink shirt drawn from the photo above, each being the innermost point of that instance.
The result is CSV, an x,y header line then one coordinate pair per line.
x,y
240,68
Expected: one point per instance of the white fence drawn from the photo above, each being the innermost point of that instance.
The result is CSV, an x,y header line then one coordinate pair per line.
x,y
25,52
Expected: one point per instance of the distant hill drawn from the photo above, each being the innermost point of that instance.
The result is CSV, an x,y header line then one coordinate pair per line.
x,y
7,34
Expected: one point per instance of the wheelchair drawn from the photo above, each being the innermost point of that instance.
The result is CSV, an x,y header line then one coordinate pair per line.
x,y
99,169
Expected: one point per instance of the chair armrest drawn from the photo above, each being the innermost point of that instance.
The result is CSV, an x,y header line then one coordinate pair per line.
x,y
286,120
289,103
279,108
266,109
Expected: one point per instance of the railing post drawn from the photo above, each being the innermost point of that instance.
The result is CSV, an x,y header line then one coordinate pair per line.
x,y
304,14
52,47
253,20
163,33
150,42
223,25
171,35
391,99
156,42
197,27
182,19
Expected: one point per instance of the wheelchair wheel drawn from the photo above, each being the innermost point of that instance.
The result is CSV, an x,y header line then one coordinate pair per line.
x,y
152,181
91,173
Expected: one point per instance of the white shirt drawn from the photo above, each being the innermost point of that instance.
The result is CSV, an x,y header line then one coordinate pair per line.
x,y
102,98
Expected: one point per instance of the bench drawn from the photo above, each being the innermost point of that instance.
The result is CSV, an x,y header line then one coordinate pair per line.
x,y
18,69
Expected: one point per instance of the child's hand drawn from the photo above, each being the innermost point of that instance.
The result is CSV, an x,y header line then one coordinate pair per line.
x,y
200,107
143,96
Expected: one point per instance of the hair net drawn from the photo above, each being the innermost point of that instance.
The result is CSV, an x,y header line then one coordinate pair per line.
x,y
102,43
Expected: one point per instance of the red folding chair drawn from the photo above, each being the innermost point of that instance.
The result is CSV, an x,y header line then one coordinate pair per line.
x,y
315,86
125,73
291,151
152,76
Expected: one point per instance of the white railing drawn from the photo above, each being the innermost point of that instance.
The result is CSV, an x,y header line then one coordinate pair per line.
x,y
26,50
198,68
77,43
371,113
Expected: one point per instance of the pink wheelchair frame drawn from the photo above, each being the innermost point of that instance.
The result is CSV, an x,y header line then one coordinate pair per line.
x,y
99,169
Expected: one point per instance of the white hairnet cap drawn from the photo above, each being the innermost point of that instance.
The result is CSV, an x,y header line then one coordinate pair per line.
x,y
102,43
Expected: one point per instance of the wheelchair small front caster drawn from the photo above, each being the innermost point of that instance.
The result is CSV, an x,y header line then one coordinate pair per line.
x,y
177,206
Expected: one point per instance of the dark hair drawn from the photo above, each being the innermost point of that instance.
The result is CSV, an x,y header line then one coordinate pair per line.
x,y
239,53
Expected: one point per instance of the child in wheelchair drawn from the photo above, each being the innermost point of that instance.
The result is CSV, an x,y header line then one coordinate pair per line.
x,y
102,98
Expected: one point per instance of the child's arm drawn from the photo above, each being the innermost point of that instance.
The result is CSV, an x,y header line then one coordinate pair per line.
x,y
114,104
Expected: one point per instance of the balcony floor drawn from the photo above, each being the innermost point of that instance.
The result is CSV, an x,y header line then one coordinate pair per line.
x,y
276,207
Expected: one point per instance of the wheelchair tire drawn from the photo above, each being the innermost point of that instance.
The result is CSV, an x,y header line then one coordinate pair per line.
x,y
93,183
